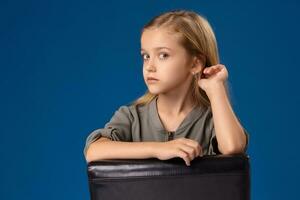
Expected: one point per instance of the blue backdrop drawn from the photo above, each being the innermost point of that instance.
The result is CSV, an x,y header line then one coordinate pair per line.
x,y
66,66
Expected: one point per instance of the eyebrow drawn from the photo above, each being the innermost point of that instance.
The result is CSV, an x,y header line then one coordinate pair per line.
x,y
157,48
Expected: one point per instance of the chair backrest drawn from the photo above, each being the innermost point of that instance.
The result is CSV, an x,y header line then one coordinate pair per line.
x,y
209,177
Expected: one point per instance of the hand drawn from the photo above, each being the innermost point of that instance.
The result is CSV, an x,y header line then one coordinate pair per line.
x,y
211,76
184,148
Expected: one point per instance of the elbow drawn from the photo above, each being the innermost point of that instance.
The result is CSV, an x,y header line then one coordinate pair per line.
x,y
89,159
93,151
91,155
88,156
233,149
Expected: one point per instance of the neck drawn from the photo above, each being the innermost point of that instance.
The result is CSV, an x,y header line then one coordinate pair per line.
x,y
173,104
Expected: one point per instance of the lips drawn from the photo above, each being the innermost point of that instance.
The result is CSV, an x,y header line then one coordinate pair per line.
x,y
151,78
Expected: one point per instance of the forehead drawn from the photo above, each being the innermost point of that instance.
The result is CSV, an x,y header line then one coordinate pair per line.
x,y
159,37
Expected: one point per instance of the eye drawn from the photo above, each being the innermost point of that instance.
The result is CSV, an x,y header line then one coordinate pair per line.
x,y
143,56
166,55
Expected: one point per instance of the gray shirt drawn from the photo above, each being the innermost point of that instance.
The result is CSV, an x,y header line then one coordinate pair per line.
x,y
142,123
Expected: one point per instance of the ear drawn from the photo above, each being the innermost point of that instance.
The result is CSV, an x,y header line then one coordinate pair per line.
x,y
198,63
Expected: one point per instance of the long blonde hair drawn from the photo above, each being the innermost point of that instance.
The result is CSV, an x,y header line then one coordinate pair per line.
x,y
197,37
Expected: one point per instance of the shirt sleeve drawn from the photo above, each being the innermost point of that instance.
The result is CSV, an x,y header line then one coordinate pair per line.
x,y
117,129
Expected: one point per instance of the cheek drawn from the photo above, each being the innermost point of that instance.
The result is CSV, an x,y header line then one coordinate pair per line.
x,y
172,77
144,71
174,73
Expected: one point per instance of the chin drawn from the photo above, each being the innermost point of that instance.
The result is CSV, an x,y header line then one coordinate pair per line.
x,y
156,90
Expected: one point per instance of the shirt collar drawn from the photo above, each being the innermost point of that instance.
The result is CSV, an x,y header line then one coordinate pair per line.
x,y
191,117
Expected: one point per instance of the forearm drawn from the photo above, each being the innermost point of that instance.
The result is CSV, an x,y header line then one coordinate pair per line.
x,y
120,150
229,132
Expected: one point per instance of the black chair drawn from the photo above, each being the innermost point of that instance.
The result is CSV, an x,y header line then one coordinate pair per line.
x,y
216,177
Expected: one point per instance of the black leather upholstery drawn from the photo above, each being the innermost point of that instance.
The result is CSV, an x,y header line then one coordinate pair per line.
x,y
217,177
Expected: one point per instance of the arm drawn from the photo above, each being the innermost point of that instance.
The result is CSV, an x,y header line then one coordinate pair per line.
x,y
187,149
229,132
104,148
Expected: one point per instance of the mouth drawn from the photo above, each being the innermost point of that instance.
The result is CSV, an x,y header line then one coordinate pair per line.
x,y
152,80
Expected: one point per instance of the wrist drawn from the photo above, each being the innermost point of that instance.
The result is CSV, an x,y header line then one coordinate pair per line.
x,y
155,148
216,87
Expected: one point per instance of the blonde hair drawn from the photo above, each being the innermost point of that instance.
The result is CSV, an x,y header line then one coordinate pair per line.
x,y
197,37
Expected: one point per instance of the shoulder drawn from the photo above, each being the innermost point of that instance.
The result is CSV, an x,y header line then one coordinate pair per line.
x,y
204,118
136,112
134,109
206,113
124,110
209,117
128,110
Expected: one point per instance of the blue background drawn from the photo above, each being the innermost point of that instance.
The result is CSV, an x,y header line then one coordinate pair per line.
x,y
66,66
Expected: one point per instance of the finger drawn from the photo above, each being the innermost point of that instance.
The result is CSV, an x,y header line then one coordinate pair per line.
x,y
213,69
210,70
217,67
184,156
192,152
195,145
190,142
201,151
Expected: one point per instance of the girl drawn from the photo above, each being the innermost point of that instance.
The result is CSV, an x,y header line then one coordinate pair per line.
x,y
186,110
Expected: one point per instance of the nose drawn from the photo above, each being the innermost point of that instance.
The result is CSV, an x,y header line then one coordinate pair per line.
x,y
150,66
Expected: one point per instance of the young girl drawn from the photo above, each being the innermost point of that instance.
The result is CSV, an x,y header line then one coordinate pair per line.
x,y
186,110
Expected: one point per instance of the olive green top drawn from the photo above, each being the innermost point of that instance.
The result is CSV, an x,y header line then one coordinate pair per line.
x,y
142,123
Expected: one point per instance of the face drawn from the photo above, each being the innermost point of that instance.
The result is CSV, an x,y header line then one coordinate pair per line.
x,y
165,60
